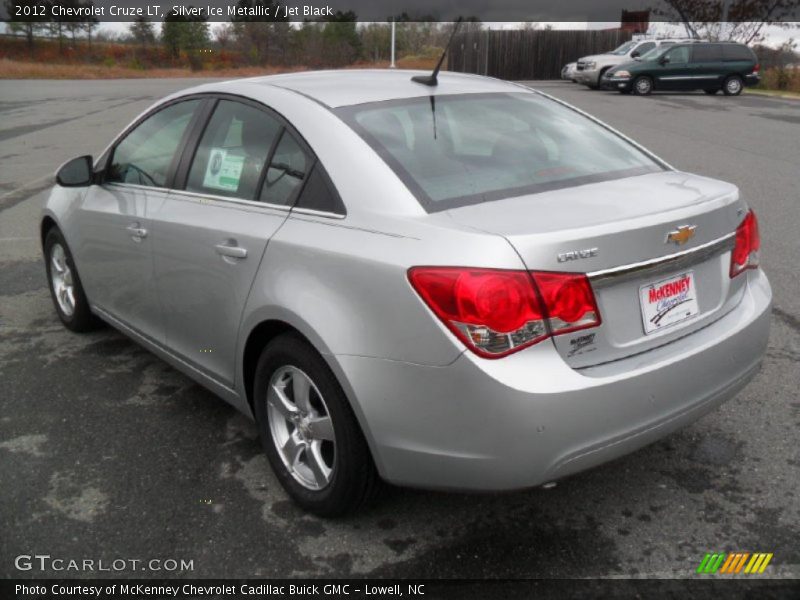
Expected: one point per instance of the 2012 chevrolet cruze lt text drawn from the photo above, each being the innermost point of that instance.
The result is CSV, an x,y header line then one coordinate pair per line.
x,y
467,286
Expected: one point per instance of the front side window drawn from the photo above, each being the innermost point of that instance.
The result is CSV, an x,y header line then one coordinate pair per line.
x,y
233,150
471,148
643,49
679,55
145,155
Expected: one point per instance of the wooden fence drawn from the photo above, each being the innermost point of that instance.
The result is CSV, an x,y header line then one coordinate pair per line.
x,y
519,54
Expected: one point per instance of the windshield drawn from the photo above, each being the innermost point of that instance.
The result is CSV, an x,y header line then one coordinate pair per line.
x,y
623,49
470,148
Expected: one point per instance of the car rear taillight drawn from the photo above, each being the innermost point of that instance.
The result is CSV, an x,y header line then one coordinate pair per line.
x,y
569,301
756,69
748,242
496,312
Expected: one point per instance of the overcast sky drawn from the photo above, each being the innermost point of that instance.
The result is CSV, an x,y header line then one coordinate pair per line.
x,y
775,36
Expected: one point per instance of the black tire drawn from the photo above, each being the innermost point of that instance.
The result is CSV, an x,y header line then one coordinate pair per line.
x,y
81,320
354,482
733,86
711,92
642,86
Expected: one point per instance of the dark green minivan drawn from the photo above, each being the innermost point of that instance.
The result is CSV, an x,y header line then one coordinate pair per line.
x,y
708,66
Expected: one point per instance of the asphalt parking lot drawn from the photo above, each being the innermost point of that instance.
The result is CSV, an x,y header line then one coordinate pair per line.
x,y
108,453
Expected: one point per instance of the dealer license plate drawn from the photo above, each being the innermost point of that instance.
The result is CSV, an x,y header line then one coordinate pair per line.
x,y
668,302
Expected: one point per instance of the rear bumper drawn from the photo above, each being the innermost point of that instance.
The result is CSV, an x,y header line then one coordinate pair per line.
x,y
529,418
752,79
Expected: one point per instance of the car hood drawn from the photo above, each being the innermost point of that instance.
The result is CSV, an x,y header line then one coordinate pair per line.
x,y
631,64
606,58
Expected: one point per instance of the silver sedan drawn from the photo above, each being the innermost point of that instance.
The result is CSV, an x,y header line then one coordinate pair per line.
x,y
467,286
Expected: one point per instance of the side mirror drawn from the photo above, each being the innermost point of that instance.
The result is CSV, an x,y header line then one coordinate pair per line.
x,y
663,60
635,54
76,172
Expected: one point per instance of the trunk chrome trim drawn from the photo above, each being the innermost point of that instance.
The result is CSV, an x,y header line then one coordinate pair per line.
x,y
655,265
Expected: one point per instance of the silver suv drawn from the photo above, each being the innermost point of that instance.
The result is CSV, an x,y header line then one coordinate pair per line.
x,y
590,69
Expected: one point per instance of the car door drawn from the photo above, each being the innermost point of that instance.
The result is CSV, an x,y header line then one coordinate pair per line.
x,y
674,71
209,235
707,72
112,237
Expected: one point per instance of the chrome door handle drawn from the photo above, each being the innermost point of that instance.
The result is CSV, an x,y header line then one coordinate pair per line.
x,y
136,231
232,251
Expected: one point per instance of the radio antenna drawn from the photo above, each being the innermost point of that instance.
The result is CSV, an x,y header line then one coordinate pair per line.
x,y
432,79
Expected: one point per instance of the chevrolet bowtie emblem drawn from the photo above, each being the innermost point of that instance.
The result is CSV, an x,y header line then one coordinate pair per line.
x,y
681,235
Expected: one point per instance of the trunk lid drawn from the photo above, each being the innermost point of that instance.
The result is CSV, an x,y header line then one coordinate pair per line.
x,y
616,231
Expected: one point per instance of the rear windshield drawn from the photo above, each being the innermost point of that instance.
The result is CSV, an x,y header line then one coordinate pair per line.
x,y
471,148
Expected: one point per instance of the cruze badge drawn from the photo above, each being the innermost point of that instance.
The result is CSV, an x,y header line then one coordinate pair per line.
x,y
577,254
681,235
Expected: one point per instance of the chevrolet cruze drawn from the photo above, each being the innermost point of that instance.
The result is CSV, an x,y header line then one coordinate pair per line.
x,y
469,285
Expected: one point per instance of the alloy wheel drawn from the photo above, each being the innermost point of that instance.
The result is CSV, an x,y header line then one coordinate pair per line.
x,y
62,281
301,427
643,86
734,86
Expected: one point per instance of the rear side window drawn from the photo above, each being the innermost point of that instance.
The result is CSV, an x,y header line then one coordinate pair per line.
x,y
453,150
319,193
145,155
706,53
233,150
286,171
734,52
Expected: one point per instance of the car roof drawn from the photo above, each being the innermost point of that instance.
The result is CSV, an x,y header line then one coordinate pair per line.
x,y
334,89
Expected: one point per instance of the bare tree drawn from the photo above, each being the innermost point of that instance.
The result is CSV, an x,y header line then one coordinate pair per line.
x,y
143,32
222,34
31,25
254,35
734,20
375,41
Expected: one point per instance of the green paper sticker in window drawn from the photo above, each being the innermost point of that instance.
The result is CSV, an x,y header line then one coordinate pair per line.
x,y
224,170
